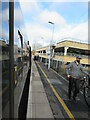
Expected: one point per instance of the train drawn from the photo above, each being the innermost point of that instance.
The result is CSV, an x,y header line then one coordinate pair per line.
x,y
13,80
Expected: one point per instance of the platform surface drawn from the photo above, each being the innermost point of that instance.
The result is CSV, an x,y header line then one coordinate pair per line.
x,y
38,104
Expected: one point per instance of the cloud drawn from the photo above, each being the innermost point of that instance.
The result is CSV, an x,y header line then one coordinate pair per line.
x,y
0,16
5,15
40,28
81,31
5,34
18,16
29,6
78,32
36,32
53,16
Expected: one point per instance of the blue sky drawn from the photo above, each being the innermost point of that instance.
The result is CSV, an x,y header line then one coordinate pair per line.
x,y
70,21
70,18
71,11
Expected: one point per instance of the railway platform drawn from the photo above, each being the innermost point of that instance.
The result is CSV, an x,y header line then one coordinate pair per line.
x,y
48,96
38,105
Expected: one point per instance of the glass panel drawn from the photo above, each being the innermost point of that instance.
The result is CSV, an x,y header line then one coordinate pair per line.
x,y
21,64
0,61
4,43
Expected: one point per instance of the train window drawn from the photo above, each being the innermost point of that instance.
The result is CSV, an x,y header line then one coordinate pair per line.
x,y
4,58
21,58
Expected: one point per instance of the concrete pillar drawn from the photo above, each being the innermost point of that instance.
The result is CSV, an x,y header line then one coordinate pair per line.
x,y
41,59
53,52
49,57
65,50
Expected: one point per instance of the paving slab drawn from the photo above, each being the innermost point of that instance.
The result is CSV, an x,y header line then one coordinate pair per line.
x,y
38,88
43,111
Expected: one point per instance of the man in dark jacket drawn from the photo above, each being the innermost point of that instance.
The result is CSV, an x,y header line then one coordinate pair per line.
x,y
73,74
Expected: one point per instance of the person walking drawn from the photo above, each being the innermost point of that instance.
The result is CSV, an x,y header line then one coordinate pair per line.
x,y
73,74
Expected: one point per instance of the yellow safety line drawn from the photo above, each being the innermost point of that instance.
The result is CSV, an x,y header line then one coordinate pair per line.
x,y
57,95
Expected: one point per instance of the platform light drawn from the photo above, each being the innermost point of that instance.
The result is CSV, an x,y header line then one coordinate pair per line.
x,y
51,44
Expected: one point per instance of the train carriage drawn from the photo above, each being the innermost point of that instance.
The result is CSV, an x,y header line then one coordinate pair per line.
x,y
16,67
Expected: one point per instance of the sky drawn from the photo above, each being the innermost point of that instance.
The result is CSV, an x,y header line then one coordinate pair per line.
x,y
70,21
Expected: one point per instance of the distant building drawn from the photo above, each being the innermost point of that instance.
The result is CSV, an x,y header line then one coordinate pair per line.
x,y
4,50
66,52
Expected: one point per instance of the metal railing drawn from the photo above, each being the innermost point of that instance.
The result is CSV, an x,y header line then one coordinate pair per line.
x,y
72,54
68,54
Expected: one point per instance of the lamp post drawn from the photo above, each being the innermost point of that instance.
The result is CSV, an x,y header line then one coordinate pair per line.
x,y
52,31
50,45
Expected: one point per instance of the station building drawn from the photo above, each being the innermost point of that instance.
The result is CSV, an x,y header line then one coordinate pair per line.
x,y
65,52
